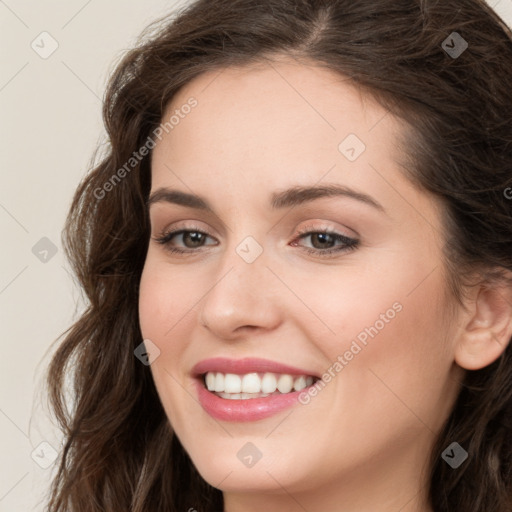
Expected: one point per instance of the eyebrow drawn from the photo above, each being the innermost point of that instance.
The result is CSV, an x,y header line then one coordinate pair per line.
x,y
291,197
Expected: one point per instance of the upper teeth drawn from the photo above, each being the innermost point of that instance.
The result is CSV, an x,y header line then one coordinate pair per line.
x,y
255,383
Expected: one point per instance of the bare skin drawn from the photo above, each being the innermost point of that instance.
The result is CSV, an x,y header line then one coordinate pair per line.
x,y
362,443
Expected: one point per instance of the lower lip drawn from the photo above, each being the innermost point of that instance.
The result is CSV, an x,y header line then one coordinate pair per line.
x,y
251,409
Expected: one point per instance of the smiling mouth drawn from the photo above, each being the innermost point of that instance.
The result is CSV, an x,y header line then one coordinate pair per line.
x,y
246,386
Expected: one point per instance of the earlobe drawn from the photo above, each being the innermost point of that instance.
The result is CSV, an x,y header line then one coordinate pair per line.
x,y
487,332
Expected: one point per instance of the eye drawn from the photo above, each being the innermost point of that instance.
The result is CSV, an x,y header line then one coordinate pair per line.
x,y
191,238
324,242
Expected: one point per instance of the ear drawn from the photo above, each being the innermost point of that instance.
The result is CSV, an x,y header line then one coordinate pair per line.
x,y
488,328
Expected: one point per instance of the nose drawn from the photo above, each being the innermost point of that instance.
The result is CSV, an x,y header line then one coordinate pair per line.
x,y
243,298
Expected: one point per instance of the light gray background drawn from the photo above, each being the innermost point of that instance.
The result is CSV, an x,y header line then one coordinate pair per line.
x,y
51,124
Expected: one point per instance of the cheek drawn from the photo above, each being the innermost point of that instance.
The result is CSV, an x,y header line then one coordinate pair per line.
x,y
164,304
154,302
384,333
395,306
163,314
398,370
354,302
164,299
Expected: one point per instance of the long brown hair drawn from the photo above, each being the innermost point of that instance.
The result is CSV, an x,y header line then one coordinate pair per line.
x,y
120,453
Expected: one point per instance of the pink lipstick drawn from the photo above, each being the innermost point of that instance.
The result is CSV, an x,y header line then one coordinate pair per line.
x,y
248,409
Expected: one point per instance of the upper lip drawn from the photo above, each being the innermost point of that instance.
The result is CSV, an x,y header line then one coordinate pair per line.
x,y
246,365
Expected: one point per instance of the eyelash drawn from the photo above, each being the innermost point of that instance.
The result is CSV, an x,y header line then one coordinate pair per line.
x,y
350,244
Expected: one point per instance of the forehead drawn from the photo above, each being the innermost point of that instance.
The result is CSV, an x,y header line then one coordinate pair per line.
x,y
273,115
270,98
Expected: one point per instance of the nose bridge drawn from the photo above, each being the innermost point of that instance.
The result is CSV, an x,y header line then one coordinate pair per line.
x,y
244,264
242,293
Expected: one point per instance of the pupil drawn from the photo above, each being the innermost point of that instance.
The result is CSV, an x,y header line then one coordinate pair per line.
x,y
325,236
195,237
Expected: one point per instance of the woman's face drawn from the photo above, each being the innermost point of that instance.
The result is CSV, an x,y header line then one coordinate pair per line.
x,y
364,306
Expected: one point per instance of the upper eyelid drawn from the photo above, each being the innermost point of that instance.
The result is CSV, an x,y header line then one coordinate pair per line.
x,y
304,230
177,226
309,226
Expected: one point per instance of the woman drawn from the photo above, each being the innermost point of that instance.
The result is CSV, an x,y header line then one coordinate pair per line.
x,y
298,257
